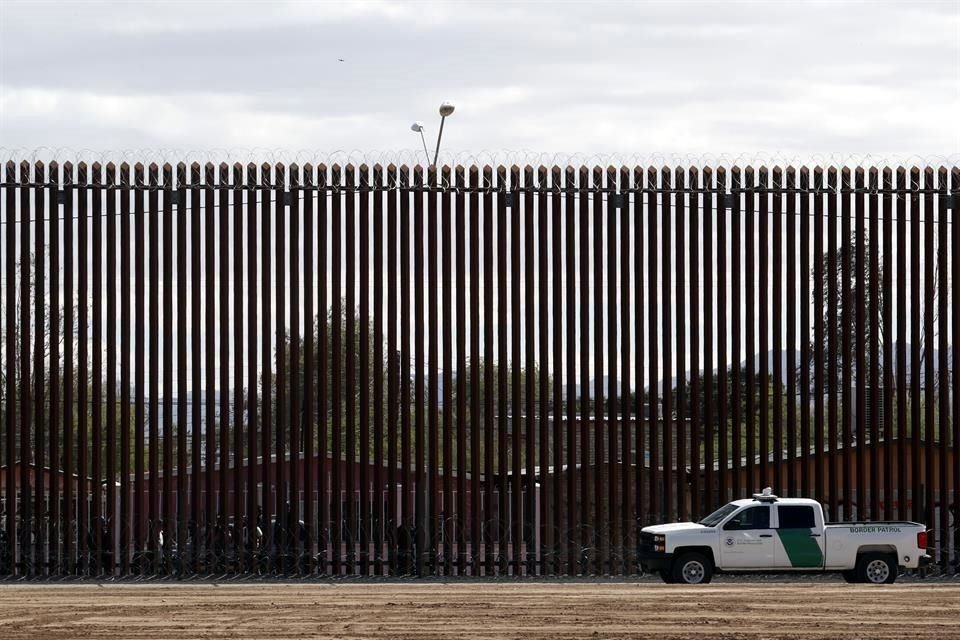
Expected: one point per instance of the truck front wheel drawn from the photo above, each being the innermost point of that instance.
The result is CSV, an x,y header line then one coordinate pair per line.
x,y
692,568
876,568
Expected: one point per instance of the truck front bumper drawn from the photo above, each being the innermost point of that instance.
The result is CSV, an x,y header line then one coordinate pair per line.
x,y
654,561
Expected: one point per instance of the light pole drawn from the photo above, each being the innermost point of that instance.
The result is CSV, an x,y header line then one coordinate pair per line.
x,y
446,109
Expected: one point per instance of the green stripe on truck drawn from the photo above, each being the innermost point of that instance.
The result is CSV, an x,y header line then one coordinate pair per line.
x,y
802,549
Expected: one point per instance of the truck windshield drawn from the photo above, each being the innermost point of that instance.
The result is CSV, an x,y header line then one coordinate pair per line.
x,y
714,518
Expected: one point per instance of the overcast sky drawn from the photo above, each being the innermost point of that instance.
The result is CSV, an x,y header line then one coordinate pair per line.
x,y
766,78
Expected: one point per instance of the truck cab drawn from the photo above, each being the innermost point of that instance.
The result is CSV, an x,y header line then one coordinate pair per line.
x,y
767,534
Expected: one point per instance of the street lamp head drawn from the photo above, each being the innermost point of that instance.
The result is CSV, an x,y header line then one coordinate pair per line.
x,y
446,109
417,127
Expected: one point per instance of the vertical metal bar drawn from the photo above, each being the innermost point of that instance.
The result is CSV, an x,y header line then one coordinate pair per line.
x,y
860,369
667,349
54,511
903,208
557,476
806,485
393,370
653,369
279,531
876,400
336,372
916,340
776,390
791,346
503,369
446,275
542,499
462,416
723,448
682,398
943,367
39,381
433,355
763,292
889,364
406,506
268,250
845,302
709,419
140,422
955,322
324,320
97,421
489,368
10,412
127,527
750,329
111,392
627,516
832,334
209,421
516,367
819,330
601,523
295,408
310,327
251,522
736,333
224,506
83,492
475,373
378,365
197,512
420,520
168,495
154,511
364,356
614,540
240,471
570,477
695,322
586,475
929,345
350,369
67,560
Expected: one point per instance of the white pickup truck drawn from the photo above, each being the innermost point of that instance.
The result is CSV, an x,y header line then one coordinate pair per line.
x,y
768,534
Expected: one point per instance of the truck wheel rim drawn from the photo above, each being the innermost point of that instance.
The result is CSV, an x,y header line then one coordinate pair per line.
x,y
878,571
693,572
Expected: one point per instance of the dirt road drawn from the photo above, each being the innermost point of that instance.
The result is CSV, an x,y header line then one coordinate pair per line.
x,y
529,611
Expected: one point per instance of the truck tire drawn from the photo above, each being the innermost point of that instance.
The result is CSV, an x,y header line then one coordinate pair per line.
x,y
876,568
667,576
692,568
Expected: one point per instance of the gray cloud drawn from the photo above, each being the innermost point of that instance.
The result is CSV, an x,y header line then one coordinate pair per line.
x,y
794,78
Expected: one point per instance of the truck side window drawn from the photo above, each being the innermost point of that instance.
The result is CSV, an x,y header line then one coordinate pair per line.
x,y
796,517
750,518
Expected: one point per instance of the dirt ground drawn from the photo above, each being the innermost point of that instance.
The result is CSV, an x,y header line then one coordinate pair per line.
x,y
527,611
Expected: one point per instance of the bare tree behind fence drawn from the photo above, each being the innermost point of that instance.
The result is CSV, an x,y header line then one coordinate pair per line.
x,y
329,370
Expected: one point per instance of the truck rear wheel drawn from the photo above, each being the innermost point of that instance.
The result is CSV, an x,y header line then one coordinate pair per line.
x,y
876,568
692,568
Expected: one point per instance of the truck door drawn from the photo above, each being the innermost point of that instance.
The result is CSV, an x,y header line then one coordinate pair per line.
x,y
747,541
799,538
